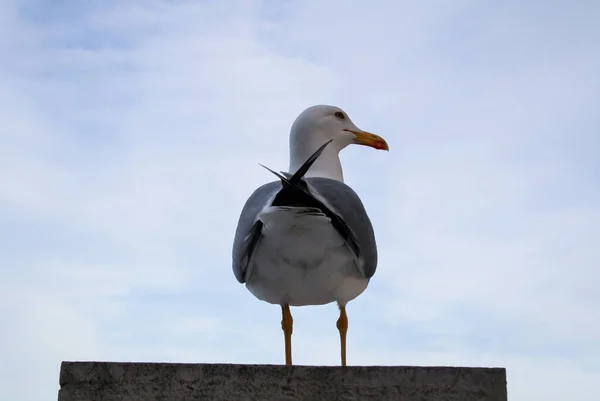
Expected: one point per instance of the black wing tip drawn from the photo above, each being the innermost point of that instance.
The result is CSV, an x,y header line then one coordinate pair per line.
x,y
297,176
308,163
278,175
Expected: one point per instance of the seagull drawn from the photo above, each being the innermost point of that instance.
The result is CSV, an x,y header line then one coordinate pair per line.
x,y
306,238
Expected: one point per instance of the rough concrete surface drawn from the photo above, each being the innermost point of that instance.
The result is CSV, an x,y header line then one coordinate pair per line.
x,y
115,381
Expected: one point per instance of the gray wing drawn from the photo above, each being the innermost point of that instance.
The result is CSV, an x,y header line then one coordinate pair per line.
x,y
249,228
347,204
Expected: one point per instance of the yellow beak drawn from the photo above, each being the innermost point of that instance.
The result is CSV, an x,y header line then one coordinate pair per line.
x,y
367,139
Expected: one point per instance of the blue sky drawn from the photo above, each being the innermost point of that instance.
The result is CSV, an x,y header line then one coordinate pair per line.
x,y
130,137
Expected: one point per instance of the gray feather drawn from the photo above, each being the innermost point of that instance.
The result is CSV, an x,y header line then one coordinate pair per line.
x,y
345,202
248,220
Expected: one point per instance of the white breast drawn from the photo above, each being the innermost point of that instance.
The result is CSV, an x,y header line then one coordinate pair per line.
x,y
302,260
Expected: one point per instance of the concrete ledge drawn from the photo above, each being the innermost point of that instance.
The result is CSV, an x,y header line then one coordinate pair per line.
x,y
113,381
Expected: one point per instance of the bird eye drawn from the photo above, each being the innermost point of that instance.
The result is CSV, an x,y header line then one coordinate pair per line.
x,y
339,115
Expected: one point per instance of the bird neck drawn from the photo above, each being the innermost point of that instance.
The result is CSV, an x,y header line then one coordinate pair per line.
x,y
327,165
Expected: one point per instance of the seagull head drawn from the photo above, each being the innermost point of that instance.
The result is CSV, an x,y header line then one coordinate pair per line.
x,y
319,124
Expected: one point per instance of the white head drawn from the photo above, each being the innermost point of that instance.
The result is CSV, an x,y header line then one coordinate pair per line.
x,y
319,124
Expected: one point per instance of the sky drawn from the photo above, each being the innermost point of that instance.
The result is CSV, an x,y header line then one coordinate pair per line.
x,y
131,134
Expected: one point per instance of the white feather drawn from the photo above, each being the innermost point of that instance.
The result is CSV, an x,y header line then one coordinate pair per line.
x,y
302,260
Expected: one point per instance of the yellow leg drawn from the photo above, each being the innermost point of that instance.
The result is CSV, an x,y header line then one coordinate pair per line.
x,y
342,325
287,324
